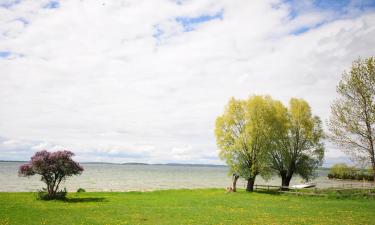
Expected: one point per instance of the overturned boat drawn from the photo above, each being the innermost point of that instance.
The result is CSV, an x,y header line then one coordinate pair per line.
x,y
305,185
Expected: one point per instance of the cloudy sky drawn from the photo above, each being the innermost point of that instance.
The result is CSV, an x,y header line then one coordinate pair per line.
x,y
143,81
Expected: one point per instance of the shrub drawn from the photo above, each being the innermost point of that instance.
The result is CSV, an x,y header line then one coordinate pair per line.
x,y
60,195
342,171
79,190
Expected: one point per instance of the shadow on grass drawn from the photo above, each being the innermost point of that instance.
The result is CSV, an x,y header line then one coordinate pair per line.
x,y
77,200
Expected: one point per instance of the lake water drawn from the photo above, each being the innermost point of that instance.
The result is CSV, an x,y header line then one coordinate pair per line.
x,y
116,177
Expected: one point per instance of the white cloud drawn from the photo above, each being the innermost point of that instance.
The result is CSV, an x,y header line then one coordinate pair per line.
x,y
91,76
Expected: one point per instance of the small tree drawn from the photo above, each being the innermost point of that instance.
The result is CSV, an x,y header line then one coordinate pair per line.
x,y
53,167
352,121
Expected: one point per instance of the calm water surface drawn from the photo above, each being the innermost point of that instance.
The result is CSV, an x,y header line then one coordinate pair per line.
x,y
115,177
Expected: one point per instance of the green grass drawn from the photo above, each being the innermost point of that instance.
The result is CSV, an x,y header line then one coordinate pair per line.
x,y
200,206
352,193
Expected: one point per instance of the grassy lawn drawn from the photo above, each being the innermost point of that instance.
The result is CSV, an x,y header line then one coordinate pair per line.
x,y
200,206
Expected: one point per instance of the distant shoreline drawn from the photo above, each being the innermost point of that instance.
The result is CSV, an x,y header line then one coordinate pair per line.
x,y
136,163
151,164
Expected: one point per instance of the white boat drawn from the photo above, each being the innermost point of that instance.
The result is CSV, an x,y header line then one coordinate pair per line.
x,y
306,185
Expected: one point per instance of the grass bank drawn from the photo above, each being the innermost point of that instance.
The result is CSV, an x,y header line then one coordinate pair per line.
x,y
200,206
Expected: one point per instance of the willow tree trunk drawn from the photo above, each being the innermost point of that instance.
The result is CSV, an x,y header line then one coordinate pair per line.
x,y
285,181
250,184
234,184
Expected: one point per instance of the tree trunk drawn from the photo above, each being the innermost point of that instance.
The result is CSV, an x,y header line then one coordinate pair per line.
x,y
234,184
371,150
50,190
285,181
250,184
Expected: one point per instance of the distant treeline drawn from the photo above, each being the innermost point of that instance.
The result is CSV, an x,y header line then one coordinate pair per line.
x,y
345,172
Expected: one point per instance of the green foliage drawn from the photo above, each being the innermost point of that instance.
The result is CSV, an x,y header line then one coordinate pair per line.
x,y
298,147
204,206
59,195
352,121
80,190
343,171
260,135
243,134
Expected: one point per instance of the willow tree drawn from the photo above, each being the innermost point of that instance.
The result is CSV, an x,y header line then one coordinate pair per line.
x,y
242,135
297,143
352,120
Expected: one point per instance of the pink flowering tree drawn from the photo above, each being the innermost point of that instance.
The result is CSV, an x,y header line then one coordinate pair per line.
x,y
53,167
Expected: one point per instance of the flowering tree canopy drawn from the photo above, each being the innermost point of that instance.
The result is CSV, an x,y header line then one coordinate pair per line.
x,y
53,167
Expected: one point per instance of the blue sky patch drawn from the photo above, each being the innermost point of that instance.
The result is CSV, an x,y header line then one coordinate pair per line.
x,y
334,5
158,32
189,23
301,30
304,29
296,7
52,5
340,7
5,54
10,55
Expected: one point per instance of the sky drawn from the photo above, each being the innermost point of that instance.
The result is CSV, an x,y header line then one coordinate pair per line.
x,y
143,81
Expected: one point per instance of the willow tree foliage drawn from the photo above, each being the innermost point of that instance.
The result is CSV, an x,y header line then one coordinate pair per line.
x,y
243,136
352,120
53,167
297,142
